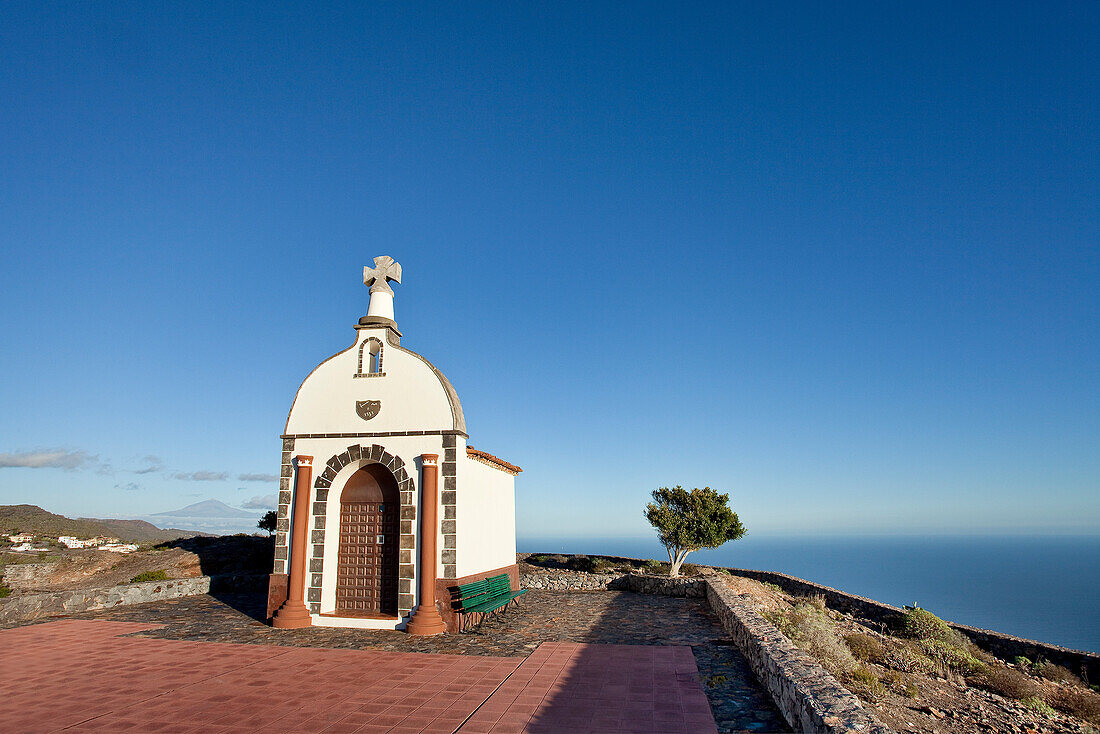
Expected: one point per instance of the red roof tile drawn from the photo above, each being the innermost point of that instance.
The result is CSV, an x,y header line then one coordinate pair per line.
x,y
496,461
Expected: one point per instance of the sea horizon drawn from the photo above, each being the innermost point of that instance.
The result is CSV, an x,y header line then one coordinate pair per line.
x,y
1043,587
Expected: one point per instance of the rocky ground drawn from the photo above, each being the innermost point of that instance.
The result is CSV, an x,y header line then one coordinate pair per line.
x,y
185,558
917,701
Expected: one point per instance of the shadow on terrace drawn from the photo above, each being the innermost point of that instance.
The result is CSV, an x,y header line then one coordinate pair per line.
x,y
679,671
238,567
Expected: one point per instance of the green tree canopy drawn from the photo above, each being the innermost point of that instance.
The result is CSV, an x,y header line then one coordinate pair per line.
x,y
687,521
268,521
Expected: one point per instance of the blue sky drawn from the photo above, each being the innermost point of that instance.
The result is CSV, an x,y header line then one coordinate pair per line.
x,y
841,261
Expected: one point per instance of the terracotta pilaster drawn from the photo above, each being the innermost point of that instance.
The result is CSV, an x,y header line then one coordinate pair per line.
x,y
426,620
293,613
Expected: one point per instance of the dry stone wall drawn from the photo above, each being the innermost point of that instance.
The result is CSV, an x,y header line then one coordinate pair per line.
x,y
572,581
25,607
636,582
807,695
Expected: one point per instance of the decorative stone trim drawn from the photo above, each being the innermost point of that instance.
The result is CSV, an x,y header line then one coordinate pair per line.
x,y
378,434
282,541
370,341
806,694
407,541
449,508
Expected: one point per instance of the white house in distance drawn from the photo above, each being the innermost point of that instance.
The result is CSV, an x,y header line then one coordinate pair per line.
x,y
383,505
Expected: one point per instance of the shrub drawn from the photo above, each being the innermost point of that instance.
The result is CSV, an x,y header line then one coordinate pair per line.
x,y
775,588
950,657
866,684
4,590
865,647
1077,702
1006,682
149,576
536,559
900,683
600,565
1022,662
921,624
906,659
689,569
1037,705
1053,672
809,627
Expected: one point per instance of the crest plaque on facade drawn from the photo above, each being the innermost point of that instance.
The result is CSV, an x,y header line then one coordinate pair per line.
x,y
367,409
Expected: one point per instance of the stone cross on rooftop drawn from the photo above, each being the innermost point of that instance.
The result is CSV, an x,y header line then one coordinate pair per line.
x,y
385,269
381,295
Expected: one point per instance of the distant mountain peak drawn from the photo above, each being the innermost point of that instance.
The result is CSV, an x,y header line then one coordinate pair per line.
x,y
208,509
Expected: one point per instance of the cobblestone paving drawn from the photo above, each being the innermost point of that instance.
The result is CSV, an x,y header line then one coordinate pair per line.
x,y
615,617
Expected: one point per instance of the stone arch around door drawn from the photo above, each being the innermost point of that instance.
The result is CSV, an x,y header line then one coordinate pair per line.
x,y
358,456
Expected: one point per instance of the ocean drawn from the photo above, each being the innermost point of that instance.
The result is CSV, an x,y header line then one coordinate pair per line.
x,y
1043,588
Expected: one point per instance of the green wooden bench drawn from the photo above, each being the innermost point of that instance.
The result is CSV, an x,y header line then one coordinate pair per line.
x,y
478,599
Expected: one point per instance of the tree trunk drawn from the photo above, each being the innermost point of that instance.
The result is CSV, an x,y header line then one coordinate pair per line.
x,y
677,561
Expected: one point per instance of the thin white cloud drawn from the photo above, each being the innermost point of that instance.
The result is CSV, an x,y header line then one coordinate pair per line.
x,y
202,476
260,502
50,459
152,464
257,477
128,487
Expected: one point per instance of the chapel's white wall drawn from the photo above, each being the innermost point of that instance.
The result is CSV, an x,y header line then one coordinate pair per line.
x,y
486,515
413,398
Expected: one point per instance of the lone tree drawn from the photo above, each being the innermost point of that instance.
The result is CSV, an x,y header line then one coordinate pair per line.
x,y
268,522
687,521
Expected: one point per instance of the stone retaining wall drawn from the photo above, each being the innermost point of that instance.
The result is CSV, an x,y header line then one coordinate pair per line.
x,y
806,694
640,583
27,573
25,607
665,586
572,581
1003,646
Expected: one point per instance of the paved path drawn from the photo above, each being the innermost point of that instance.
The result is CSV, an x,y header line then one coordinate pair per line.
x,y
84,676
576,688
737,701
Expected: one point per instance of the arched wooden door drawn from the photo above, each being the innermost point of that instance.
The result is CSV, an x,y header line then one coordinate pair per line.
x,y
366,568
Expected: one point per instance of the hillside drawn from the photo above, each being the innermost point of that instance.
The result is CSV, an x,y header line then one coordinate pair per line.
x,y
33,519
139,531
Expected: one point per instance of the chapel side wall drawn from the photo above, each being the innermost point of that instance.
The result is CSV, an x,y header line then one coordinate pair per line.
x,y
486,509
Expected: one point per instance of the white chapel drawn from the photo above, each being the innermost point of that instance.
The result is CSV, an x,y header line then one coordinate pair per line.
x,y
383,505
